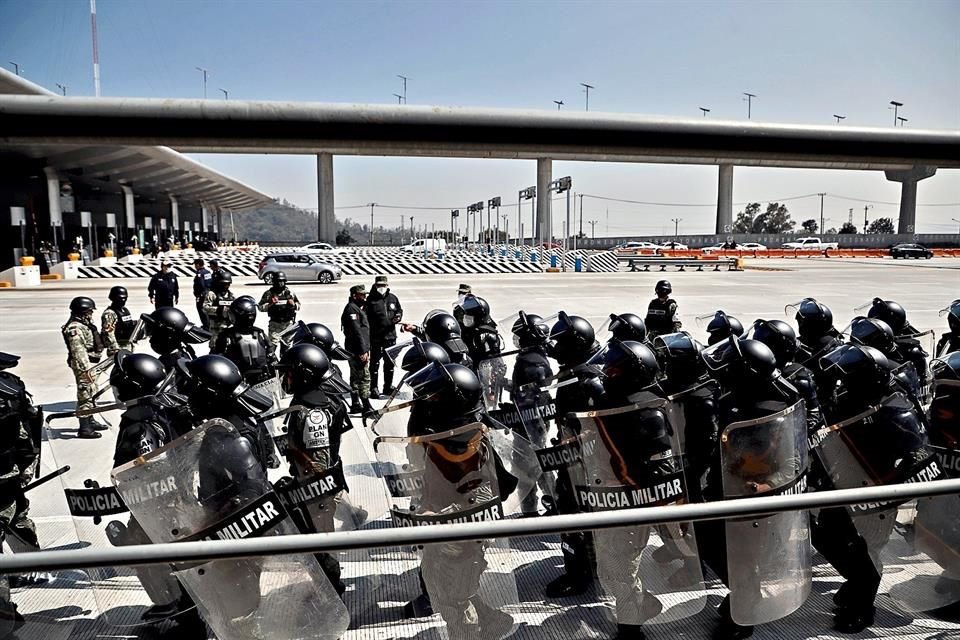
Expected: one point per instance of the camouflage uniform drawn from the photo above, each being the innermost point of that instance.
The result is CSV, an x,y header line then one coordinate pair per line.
x,y
215,306
282,314
115,328
83,350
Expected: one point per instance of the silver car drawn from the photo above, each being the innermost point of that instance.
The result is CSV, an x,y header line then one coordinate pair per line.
x,y
299,267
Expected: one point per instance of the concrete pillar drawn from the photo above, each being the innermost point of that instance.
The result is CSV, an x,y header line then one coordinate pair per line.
x,y
128,206
725,200
326,220
204,219
53,196
544,229
218,227
908,195
175,213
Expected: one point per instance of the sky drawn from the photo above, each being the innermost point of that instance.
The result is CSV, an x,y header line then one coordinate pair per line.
x,y
805,61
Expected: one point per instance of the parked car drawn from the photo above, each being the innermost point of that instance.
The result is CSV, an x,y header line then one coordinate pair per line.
x,y
910,251
551,245
318,246
752,246
629,247
422,245
670,244
810,243
299,266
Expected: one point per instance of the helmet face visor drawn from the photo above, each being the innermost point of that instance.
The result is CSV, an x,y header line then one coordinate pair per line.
x,y
674,345
719,356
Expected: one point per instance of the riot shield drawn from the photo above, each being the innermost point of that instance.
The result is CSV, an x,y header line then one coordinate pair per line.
x,y
271,389
692,415
653,573
492,373
101,521
451,478
207,485
913,544
768,557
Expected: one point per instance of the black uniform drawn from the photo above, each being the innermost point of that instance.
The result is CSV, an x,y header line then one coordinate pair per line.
x,y
661,317
948,343
383,313
201,284
483,341
356,328
164,289
531,371
250,350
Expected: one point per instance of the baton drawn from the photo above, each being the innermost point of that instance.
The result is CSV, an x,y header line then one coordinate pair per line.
x,y
45,479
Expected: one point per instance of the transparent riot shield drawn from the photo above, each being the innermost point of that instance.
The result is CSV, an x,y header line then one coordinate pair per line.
x,y
449,478
768,557
692,415
912,543
492,373
271,389
652,573
207,485
101,520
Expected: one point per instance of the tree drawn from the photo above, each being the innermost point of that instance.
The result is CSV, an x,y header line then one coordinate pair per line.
x,y
832,231
881,225
344,238
810,226
848,228
776,219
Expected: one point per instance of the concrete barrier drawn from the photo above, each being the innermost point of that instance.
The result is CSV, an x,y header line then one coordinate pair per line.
x,y
22,276
69,270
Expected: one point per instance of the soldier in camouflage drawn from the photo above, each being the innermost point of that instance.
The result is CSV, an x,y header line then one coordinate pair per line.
x,y
116,322
216,304
281,306
84,349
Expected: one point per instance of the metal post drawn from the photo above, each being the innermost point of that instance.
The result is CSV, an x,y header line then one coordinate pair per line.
x,y
372,205
580,233
566,235
96,48
822,230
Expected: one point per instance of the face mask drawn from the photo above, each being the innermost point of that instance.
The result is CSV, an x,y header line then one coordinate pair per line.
x,y
460,298
382,290
516,341
468,321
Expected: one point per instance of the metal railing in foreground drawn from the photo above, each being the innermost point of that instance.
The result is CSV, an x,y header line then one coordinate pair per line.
x,y
398,537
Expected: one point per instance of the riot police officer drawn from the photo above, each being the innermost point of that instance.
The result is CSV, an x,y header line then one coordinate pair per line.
x,y
782,341
215,388
950,341
116,323
171,336
443,329
320,336
244,344
874,332
84,349
817,335
281,306
356,337
572,343
478,329
313,442
662,311
216,303
461,472
721,327
145,427
760,460
384,314
904,334
945,407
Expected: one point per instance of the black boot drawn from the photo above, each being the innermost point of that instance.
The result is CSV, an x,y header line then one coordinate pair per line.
x,y
374,386
852,619
728,629
355,403
566,586
629,632
388,382
87,430
368,410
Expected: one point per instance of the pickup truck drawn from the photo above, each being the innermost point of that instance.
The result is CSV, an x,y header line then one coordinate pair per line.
x,y
810,243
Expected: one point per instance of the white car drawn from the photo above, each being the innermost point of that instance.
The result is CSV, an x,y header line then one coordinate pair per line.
x,y
318,246
628,247
752,246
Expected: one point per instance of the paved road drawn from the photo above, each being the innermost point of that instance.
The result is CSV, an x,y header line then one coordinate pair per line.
x,y
30,322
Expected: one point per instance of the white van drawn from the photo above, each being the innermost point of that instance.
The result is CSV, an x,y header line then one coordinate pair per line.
x,y
428,245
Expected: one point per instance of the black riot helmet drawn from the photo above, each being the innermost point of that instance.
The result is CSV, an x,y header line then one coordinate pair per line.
x,y
82,306
572,340
118,296
863,372
278,281
722,327
679,358
813,318
318,335
441,327
741,362
627,367
8,360
663,287
222,282
243,312
890,312
451,391
475,310
421,354
779,336
169,329
530,330
303,368
953,316
872,332
628,326
135,375
214,387
947,367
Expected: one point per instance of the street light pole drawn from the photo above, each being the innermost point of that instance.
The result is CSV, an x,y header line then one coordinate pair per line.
x,y
901,120
593,229
821,212
491,203
226,94
896,107
16,67
559,104
204,72
586,88
560,186
705,111
453,216
839,118
866,208
581,223
399,98
404,78
750,97
676,226
371,205
62,88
